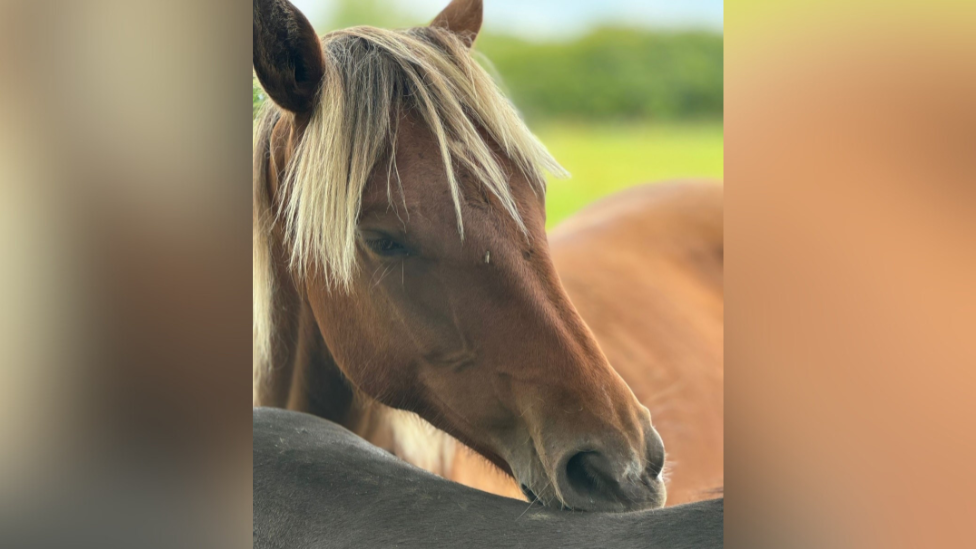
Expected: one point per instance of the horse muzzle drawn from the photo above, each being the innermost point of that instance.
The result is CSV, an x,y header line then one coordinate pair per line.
x,y
602,474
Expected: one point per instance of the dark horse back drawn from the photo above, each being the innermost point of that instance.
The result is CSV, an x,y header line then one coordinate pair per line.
x,y
318,485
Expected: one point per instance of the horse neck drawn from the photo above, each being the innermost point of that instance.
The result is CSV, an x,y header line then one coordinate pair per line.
x,y
317,385
303,374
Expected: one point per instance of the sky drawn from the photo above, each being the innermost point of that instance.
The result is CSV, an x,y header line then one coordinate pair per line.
x,y
554,19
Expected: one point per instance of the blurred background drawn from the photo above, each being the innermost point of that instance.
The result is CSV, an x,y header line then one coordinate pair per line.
x,y
622,92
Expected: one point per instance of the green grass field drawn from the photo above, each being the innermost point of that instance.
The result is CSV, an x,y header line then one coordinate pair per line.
x,y
607,158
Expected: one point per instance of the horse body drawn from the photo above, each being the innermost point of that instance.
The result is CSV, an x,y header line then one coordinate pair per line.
x,y
319,485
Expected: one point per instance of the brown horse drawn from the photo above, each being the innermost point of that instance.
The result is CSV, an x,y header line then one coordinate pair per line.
x,y
401,262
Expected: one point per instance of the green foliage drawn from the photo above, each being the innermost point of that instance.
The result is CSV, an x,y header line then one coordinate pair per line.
x,y
613,74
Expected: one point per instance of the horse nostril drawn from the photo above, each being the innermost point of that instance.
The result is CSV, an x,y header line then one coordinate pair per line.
x,y
594,480
655,453
654,467
588,474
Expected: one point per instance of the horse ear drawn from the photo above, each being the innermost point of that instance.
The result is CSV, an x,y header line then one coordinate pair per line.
x,y
463,18
288,56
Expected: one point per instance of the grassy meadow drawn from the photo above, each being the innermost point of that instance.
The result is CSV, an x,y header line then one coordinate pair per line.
x,y
604,158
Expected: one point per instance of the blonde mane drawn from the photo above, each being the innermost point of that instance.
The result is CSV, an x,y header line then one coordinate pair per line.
x,y
372,76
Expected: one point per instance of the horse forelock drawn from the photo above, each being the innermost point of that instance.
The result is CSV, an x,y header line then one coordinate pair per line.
x,y
373,76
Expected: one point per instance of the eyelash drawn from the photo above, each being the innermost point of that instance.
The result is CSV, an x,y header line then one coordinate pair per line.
x,y
387,247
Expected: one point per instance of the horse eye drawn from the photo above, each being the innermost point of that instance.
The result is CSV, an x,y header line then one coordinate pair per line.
x,y
386,247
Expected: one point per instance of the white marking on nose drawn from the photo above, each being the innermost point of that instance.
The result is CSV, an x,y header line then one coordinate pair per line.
x,y
488,257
